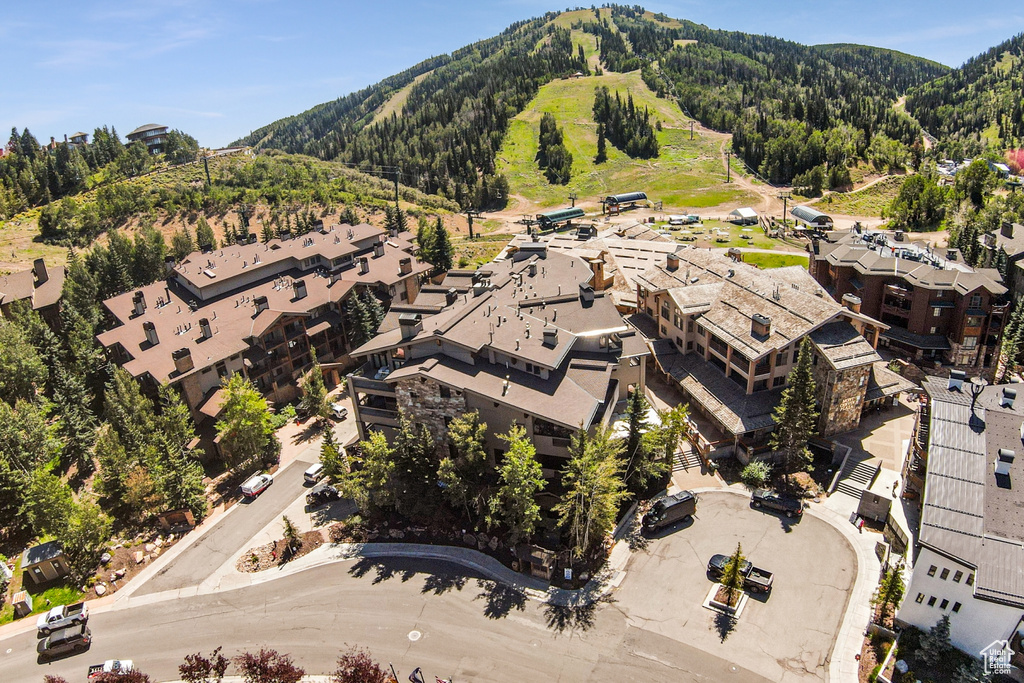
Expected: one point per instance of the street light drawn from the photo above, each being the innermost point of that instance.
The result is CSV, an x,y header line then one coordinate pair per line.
x,y
978,385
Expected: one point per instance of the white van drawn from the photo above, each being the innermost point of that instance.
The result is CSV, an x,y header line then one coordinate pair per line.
x,y
314,474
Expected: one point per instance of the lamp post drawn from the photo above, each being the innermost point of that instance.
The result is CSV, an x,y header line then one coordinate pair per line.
x,y
978,385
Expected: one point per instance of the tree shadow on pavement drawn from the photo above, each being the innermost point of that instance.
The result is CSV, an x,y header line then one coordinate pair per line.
x,y
384,571
310,430
724,624
500,598
573,618
439,584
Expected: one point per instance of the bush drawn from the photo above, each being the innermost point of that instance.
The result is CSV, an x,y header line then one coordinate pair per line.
x,y
873,676
756,474
280,419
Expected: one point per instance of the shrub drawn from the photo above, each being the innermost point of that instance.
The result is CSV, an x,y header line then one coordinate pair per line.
x,y
756,474
873,676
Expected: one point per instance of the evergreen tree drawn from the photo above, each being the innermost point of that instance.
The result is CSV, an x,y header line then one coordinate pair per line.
x,y
594,490
890,591
331,458
22,371
796,415
415,473
348,216
291,534
182,243
443,251
358,317
314,393
1011,344
77,425
131,413
374,313
520,478
267,233
205,237
935,644
465,471
114,464
28,439
602,146
48,502
425,240
641,453
369,482
149,256
732,577
83,537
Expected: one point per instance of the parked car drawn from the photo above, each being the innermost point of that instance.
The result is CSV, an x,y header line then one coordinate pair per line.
x,y
755,580
62,616
314,474
670,510
763,498
71,639
256,485
320,494
339,411
115,667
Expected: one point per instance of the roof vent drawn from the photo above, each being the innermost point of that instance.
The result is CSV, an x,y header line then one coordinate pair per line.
x,y
261,303
139,302
299,286
956,380
364,265
550,336
1009,396
451,296
411,324
150,329
204,328
672,261
1006,455
586,293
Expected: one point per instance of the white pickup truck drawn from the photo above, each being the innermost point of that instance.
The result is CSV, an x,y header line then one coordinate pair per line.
x,y
62,616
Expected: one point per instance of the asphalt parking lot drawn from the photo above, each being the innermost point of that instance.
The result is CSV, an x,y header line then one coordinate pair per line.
x,y
787,636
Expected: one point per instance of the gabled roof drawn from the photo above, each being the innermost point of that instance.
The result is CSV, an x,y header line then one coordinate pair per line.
x,y
843,346
41,553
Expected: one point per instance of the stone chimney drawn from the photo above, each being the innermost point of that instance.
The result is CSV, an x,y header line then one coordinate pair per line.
x,y
597,268
672,262
364,265
204,328
150,330
411,324
550,336
39,268
261,303
760,326
299,286
852,302
451,296
182,361
139,303
405,266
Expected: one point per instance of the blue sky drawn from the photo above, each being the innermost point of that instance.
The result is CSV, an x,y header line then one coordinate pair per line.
x,y
220,68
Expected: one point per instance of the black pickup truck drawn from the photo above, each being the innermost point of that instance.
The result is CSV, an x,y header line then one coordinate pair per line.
x,y
763,498
755,580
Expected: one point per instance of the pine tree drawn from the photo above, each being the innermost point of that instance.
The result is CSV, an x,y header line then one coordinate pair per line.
x,y
935,645
348,216
205,237
890,591
732,577
131,413
48,502
22,371
443,251
357,316
83,537
425,240
796,415
465,471
331,458
244,427
314,393
77,425
369,482
374,313
1011,344
602,146
415,473
291,534
641,455
182,243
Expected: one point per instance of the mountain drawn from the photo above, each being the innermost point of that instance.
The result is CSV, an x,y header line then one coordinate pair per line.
x,y
977,104
792,108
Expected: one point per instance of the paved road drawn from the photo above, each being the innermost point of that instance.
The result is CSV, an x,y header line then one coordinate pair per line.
x,y
227,537
467,628
786,637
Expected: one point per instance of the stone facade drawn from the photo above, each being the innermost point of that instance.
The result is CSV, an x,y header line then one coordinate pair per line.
x,y
840,396
424,399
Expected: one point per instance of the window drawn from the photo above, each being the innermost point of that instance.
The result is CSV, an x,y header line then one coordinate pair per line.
x,y
956,577
529,367
664,311
970,579
446,392
933,330
970,342
700,349
679,343
782,359
689,346
944,604
700,330
677,321
973,321
663,330
936,312
778,381
689,326
976,301
945,573
931,601
920,598
932,570
956,606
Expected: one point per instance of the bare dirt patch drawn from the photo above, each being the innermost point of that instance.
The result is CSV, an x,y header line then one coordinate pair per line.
x,y
126,561
277,553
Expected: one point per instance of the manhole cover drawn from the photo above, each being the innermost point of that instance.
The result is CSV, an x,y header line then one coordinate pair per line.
x,y
414,635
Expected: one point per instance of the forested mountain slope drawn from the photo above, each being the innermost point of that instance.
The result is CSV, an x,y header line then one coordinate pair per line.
x,y
794,109
978,103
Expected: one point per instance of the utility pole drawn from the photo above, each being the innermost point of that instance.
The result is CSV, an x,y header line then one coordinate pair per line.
x,y
728,167
396,186
691,129
206,166
573,197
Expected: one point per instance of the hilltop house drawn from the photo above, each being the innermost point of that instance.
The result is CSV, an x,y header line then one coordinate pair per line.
x,y
153,135
935,305
969,559
729,333
257,309
526,340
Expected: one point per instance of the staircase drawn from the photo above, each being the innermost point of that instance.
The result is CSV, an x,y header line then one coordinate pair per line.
x,y
856,477
685,459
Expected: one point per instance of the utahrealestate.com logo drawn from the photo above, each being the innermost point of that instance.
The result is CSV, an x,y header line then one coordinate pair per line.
x,y
996,657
